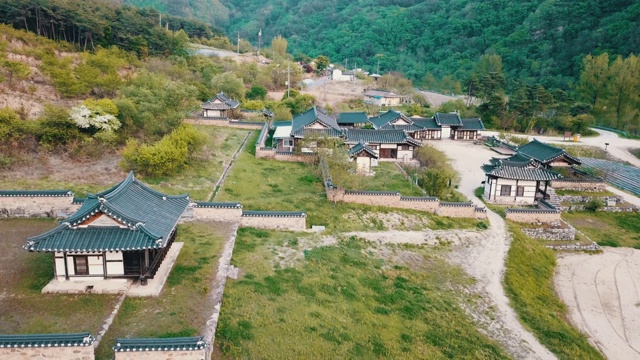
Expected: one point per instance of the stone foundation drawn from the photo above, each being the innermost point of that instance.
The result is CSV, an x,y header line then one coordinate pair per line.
x,y
556,232
533,216
291,223
595,185
57,353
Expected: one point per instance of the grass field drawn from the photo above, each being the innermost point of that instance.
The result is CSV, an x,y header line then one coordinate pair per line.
x,y
606,228
343,301
635,152
387,178
529,284
199,178
24,309
183,307
262,184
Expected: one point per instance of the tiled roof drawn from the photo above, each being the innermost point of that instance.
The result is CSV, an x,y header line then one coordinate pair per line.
x,y
365,192
225,205
352,118
449,119
38,193
281,123
381,93
379,137
427,123
78,200
300,122
517,158
330,132
274,213
147,216
159,344
384,119
227,103
545,153
472,124
46,340
519,172
360,147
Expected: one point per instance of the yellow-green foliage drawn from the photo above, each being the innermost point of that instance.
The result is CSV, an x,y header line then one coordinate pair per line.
x,y
339,301
529,284
165,157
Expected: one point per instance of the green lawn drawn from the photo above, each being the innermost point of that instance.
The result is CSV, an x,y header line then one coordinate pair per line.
x,y
263,184
183,307
342,301
388,178
529,284
584,193
607,229
24,309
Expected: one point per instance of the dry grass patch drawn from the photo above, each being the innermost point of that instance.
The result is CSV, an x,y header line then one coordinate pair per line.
x,y
24,309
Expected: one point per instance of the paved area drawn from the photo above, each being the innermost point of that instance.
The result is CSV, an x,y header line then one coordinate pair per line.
x,y
154,286
485,260
87,286
602,294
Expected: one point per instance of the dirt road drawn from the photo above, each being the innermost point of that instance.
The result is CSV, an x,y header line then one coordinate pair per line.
x,y
485,261
602,293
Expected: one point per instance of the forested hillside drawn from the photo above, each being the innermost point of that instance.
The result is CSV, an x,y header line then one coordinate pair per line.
x,y
541,41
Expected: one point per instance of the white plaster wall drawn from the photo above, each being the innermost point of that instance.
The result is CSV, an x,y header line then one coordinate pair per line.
x,y
403,153
363,164
388,146
446,132
95,265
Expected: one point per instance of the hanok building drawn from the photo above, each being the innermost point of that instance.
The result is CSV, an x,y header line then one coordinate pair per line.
x,y
382,98
123,232
470,129
516,182
546,155
364,156
219,107
352,119
387,144
312,124
395,120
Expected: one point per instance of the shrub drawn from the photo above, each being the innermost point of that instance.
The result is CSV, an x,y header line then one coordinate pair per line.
x,y
167,156
256,92
593,205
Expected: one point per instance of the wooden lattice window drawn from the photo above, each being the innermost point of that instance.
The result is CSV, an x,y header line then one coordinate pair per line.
x,y
505,190
81,265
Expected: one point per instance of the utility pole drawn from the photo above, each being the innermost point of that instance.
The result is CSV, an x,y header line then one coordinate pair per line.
x,y
160,19
238,43
288,78
259,41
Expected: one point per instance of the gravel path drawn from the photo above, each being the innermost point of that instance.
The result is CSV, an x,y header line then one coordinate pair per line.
x,y
485,261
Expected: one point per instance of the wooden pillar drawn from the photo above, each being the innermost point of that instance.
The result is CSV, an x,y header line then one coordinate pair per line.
x,y
546,183
146,261
515,196
66,267
104,264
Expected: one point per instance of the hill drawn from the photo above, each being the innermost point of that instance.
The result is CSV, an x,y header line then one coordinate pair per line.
x,y
541,41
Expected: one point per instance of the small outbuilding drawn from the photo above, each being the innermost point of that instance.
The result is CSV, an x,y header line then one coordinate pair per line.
x,y
219,107
123,232
516,182
365,158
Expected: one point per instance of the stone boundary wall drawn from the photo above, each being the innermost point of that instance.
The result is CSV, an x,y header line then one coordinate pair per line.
x,y
576,247
277,222
56,353
557,232
584,199
217,211
37,206
225,123
271,153
395,200
533,216
153,355
579,185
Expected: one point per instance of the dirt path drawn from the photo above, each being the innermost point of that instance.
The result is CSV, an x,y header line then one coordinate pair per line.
x,y
602,294
485,260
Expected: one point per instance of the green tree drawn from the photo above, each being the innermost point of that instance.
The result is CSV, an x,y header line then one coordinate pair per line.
x,y
279,46
256,92
15,70
230,84
594,78
322,62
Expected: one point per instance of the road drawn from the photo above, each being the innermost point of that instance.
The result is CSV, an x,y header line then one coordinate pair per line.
x,y
485,261
618,147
